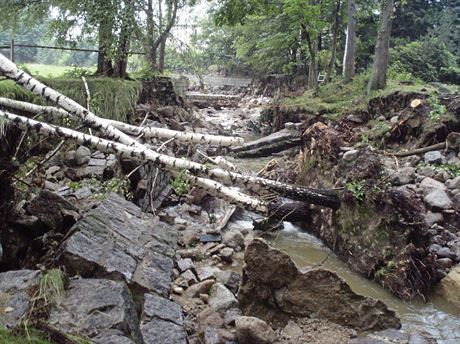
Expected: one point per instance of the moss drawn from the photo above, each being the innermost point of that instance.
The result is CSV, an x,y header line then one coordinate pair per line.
x,y
110,98
33,337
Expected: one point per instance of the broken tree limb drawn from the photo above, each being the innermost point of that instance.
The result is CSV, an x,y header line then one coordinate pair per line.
x,y
256,184
146,132
422,150
125,151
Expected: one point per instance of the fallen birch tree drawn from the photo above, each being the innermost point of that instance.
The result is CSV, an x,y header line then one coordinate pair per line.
x,y
255,184
146,132
129,152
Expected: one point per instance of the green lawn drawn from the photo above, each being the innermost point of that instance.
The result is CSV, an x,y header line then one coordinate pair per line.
x,y
51,71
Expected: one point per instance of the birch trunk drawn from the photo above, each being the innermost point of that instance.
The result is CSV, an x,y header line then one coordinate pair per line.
x,y
224,141
350,44
128,152
256,184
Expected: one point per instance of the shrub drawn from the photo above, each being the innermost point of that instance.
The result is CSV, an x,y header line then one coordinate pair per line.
x,y
427,59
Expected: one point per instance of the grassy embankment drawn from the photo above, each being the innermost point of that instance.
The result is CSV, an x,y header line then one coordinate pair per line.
x,y
110,98
336,98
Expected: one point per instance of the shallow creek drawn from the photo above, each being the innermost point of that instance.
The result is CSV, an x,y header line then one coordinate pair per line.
x,y
436,316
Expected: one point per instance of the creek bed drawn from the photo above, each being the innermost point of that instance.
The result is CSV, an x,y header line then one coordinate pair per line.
x,y
436,316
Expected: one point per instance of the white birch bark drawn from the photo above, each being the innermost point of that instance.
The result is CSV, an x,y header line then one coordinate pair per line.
x,y
256,184
224,141
125,151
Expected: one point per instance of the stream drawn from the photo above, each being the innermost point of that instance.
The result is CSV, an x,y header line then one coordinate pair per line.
x,y
436,317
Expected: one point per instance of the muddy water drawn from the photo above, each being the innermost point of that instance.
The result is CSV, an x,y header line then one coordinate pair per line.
x,y
436,316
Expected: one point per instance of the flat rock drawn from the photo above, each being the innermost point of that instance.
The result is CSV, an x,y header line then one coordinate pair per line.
x,y
185,264
116,239
16,295
433,157
251,330
159,307
207,272
276,297
204,238
93,307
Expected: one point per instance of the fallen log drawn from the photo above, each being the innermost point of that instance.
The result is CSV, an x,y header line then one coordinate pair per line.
x,y
279,136
146,132
422,150
295,211
125,151
270,149
255,184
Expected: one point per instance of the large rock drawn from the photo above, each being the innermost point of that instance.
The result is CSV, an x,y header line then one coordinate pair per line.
x,y
221,298
449,287
433,157
16,293
274,290
250,330
119,241
162,321
99,309
438,199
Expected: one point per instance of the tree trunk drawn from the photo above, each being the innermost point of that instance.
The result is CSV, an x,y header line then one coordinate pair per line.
x,y
379,69
145,132
161,61
121,63
335,33
350,44
151,49
313,64
104,63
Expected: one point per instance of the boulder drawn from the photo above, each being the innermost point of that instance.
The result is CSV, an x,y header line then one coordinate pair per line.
x,y
394,336
449,287
233,237
16,293
432,218
274,290
438,199
93,307
117,240
404,176
250,330
429,184
185,264
433,157
82,155
221,299
453,183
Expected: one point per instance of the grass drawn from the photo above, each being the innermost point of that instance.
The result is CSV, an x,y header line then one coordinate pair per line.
x,y
110,98
51,287
335,98
50,71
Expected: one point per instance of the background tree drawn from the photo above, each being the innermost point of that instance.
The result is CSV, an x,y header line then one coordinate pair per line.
x,y
379,69
350,45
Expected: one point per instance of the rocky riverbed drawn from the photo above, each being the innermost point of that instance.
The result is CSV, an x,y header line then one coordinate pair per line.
x,y
194,271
